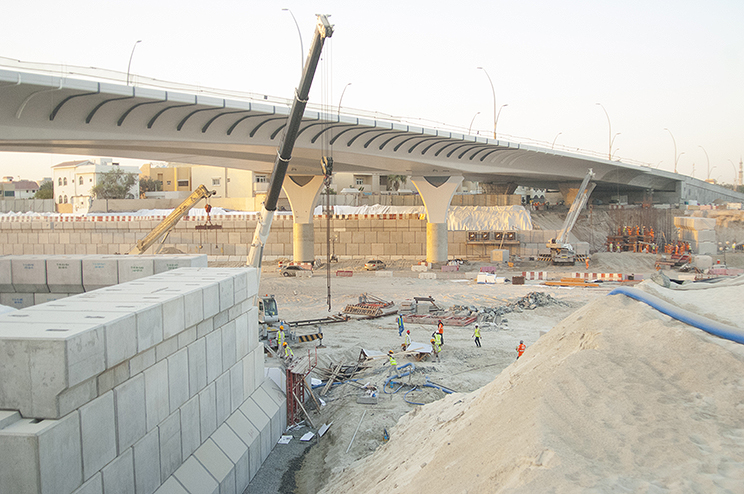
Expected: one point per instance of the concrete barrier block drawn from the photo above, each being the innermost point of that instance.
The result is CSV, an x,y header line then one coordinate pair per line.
x,y
187,337
499,255
269,407
169,432
190,435
229,345
93,486
707,248
240,287
41,456
262,423
135,267
118,476
65,274
236,385
211,295
195,478
197,356
208,411
249,435
6,276
149,327
178,379
43,298
17,300
222,386
217,464
249,380
29,274
227,294
141,361
214,355
131,424
156,394
147,463
193,304
173,317
237,452
427,276
166,348
220,319
252,314
241,336
259,373
100,272
98,432
384,274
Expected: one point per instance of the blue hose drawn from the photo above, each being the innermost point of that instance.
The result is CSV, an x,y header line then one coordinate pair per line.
x,y
708,325
405,396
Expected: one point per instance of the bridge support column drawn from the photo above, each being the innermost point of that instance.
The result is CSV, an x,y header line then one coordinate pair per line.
x,y
302,192
502,189
569,191
436,193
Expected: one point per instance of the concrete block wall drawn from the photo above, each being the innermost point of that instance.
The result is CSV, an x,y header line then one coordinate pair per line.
x,y
154,385
27,280
699,232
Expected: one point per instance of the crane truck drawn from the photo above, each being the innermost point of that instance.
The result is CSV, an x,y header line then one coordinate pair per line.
x,y
561,251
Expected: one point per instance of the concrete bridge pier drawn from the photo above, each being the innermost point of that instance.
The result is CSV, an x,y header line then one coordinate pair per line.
x,y
302,192
436,193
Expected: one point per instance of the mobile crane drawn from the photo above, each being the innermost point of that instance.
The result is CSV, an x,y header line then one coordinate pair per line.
x,y
562,252
170,221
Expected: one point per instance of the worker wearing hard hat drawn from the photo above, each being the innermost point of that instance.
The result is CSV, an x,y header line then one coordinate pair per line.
x,y
407,341
280,336
520,348
288,353
401,327
435,348
391,359
440,329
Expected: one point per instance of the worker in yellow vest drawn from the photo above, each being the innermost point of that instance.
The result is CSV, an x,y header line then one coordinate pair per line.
x,y
407,342
288,353
391,359
476,335
280,337
435,349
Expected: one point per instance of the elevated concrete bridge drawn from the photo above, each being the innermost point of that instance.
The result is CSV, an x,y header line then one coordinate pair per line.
x,y
51,114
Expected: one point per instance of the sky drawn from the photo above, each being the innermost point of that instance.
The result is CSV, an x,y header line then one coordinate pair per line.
x,y
652,64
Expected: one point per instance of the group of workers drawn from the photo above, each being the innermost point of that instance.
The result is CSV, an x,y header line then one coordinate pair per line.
x,y
281,344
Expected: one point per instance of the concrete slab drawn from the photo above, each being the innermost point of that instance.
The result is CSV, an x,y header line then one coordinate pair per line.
x,y
147,463
172,486
156,394
98,431
173,317
190,433
236,385
168,263
197,355
118,476
93,486
241,336
17,300
65,274
269,407
222,386
238,453
195,478
208,411
170,445
43,298
100,272
193,303
29,274
250,436
229,345
178,379
249,380
227,294
261,422
214,355
217,464
131,423
135,267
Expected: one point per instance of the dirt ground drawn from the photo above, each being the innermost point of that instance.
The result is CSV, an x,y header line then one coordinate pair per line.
x,y
462,368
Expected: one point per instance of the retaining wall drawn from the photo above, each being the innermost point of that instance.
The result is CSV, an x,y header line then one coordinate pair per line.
x,y
154,385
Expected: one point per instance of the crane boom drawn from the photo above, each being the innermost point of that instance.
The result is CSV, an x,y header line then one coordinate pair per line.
x,y
323,30
170,221
560,250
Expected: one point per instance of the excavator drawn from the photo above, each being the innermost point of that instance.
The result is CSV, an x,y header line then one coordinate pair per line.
x,y
165,226
562,252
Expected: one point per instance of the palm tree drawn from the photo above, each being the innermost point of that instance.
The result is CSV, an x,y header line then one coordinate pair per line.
x,y
395,181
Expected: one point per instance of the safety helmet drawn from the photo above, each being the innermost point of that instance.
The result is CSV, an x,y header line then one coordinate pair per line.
x,y
390,351
432,340
521,342
408,331
285,343
281,327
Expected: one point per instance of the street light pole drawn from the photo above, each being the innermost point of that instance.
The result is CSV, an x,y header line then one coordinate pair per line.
x,y
676,158
612,143
341,99
495,116
130,58
497,119
736,181
471,122
708,159
556,137
609,133
299,33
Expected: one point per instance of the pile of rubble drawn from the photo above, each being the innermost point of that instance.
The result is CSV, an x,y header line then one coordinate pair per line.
x,y
531,301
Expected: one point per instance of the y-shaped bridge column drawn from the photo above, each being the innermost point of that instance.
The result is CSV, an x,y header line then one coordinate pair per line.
x,y
302,192
436,192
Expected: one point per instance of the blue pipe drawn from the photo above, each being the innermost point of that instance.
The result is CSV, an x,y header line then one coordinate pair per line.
x,y
708,325
399,375
405,396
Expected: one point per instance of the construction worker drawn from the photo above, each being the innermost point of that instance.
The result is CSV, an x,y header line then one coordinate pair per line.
x,y
435,348
586,262
208,209
391,359
288,353
476,335
438,341
407,341
520,348
400,324
440,328
280,336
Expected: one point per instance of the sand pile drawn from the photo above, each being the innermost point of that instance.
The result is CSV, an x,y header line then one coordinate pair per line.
x,y
615,398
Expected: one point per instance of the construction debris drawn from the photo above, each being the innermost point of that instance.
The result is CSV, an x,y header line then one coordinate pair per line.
x,y
447,320
369,306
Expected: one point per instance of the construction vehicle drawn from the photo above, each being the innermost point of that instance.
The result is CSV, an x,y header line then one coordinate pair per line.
x,y
562,252
164,228
323,30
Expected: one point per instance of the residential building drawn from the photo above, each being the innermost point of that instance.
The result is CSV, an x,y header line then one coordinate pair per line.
x,y
73,181
175,177
18,189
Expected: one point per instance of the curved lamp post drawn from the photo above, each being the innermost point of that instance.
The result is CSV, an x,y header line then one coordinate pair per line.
x,y
609,133
497,119
495,116
299,33
676,158
341,99
130,58
707,159
736,174
552,146
471,122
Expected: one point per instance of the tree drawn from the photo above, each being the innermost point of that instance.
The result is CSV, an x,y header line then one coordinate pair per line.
x,y
148,184
46,191
115,184
395,181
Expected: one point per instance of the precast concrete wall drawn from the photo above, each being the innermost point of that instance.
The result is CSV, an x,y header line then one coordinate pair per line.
x,y
154,385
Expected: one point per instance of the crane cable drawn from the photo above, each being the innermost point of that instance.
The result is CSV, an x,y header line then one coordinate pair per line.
x,y
327,153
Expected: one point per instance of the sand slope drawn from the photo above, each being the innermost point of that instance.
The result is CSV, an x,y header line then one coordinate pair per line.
x,y
616,398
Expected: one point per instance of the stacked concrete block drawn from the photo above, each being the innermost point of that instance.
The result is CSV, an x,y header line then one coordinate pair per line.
x,y
29,274
700,233
148,386
65,274
6,276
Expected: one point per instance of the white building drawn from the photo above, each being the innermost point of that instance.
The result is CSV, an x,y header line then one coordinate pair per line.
x,y
73,181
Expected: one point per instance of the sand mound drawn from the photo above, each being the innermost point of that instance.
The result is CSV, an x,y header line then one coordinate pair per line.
x,y
616,398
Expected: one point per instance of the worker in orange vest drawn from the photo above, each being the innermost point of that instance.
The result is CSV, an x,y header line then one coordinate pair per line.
x,y
440,328
520,348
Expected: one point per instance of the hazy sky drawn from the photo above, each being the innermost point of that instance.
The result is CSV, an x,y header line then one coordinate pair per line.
x,y
652,64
